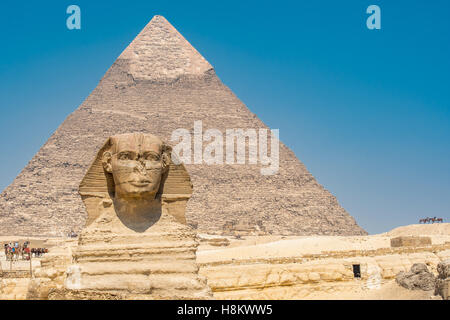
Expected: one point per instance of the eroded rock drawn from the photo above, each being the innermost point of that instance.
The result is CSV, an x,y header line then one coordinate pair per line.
x,y
442,287
418,278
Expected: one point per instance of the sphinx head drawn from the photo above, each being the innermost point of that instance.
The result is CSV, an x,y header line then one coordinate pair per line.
x,y
138,163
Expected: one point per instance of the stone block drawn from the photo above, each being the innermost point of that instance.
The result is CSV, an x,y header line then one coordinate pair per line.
x,y
410,241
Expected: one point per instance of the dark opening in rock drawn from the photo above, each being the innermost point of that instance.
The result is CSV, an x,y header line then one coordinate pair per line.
x,y
357,271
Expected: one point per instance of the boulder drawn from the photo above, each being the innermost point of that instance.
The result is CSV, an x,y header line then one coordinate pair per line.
x,y
418,278
442,286
443,269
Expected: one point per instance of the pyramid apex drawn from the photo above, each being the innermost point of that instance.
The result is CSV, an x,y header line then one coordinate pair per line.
x,y
160,52
158,19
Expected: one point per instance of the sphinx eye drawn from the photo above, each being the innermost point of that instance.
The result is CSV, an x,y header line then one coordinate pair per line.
x,y
151,156
124,156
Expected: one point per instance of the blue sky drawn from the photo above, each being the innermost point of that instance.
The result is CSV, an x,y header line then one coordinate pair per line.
x,y
367,111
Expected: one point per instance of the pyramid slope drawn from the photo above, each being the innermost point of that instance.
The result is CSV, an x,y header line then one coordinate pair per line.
x,y
165,86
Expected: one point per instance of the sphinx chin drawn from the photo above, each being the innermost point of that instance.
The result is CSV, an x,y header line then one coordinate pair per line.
x,y
133,192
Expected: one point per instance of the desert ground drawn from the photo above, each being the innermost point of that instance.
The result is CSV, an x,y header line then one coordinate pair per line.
x,y
293,267
264,247
289,267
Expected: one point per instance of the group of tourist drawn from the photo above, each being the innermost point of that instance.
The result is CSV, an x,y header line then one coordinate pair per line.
x,y
14,251
38,252
431,220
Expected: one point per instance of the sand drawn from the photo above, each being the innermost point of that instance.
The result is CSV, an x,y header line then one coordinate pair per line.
x,y
257,247
388,291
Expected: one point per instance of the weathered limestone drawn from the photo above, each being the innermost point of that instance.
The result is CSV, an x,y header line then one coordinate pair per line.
x,y
14,289
160,83
213,240
274,272
137,245
310,275
410,241
244,227
418,278
443,280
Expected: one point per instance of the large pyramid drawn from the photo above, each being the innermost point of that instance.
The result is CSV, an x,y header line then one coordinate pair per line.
x,y
158,84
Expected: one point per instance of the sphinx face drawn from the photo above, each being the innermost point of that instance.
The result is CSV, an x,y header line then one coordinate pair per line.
x,y
136,163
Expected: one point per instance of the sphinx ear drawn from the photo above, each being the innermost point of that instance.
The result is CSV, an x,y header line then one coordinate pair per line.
x,y
106,161
166,155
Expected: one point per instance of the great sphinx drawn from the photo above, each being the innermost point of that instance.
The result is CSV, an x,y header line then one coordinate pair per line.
x,y
133,174
136,244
